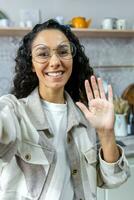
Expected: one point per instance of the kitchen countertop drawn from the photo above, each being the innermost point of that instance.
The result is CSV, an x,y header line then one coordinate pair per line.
x,y
127,143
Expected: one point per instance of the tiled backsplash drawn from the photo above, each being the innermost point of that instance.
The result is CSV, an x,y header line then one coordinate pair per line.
x,y
110,51
8,47
112,59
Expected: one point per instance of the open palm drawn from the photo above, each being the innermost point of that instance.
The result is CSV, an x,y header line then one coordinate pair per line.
x,y
100,112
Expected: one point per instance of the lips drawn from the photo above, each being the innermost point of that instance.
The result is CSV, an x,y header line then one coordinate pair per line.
x,y
54,74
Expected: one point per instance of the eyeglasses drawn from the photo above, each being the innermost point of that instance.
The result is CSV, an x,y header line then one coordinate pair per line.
x,y
42,53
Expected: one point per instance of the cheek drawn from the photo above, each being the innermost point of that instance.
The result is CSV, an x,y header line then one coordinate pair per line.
x,y
69,65
37,68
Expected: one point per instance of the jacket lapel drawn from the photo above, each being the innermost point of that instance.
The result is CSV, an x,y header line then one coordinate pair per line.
x,y
35,111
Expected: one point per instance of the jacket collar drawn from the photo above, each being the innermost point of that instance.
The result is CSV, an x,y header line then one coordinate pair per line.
x,y
38,118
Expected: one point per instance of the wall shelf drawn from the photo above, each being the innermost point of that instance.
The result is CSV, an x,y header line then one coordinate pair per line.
x,y
93,33
101,33
114,66
14,31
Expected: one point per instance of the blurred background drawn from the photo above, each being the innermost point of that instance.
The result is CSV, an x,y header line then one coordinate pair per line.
x,y
106,30
95,9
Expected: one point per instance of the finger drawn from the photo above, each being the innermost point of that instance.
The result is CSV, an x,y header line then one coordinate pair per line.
x,y
94,87
101,88
88,91
110,93
83,108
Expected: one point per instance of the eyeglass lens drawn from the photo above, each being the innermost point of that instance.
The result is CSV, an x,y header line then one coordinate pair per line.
x,y
64,50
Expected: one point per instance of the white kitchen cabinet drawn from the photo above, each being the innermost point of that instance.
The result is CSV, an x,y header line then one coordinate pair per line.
x,y
124,192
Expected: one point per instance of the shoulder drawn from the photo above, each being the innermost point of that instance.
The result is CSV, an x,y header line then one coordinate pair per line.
x,y
74,111
72,106
10,101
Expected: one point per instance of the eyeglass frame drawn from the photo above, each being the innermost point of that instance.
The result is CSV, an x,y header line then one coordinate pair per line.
x,y
54,49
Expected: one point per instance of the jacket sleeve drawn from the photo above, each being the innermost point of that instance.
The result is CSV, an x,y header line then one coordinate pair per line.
x,y
15,124
9,129
110,175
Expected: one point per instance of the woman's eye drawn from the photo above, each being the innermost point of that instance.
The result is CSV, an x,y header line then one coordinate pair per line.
x,y
63,52
43,54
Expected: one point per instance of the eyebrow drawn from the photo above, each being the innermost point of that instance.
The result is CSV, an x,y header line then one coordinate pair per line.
x,y
47,46
40,46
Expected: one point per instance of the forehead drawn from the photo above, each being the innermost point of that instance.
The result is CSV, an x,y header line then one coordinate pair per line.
x,y
50,37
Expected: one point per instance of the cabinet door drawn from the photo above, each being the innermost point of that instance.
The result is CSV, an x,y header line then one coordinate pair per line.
x,y
125,191
100,194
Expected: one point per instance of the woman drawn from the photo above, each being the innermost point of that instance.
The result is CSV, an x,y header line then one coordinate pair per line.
x,y
48,143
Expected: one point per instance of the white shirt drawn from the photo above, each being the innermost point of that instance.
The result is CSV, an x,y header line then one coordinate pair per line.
x,y
60,187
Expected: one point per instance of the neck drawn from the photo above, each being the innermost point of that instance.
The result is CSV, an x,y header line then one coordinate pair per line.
x,y
53,96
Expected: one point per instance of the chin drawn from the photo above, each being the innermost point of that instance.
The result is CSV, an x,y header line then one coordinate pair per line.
x,y
57,86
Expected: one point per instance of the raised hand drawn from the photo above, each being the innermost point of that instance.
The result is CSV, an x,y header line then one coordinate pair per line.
x,y
100,112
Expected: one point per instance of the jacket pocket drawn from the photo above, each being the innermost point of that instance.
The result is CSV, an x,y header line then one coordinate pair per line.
x,y
35,154
35,163
28,171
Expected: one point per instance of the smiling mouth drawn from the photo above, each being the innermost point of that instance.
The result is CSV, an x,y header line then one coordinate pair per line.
x,y
54,74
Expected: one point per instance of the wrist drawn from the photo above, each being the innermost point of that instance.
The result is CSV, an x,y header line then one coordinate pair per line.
x,y
110,150
110,155
106,136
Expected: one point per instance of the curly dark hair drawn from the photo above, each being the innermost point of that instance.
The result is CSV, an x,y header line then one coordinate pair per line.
x,y
25,80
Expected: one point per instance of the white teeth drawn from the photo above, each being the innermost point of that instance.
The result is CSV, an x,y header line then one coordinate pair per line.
x,y
54,74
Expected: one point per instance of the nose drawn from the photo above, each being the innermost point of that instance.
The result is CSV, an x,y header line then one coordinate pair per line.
x,y
54,61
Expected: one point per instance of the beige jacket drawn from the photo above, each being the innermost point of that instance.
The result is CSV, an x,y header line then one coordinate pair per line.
x,y
27,157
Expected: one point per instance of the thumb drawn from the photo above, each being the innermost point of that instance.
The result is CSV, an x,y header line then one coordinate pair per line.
x,y
83,108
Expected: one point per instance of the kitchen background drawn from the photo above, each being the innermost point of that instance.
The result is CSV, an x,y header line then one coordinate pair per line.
x,y
111,58
68,8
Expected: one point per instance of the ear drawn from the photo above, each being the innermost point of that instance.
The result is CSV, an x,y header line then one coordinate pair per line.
x,y
33,69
